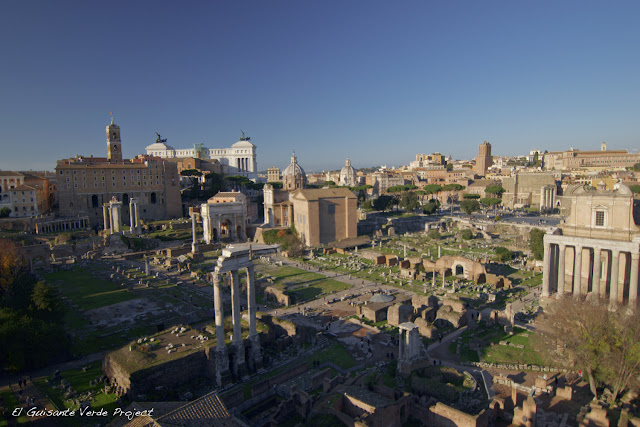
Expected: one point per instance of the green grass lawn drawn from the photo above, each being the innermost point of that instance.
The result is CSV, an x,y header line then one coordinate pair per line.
x,y
79,380
11,402
304,285
335,353
87,291
507,354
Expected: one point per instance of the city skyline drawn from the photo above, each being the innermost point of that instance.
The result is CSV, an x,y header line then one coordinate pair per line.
x,y
365,80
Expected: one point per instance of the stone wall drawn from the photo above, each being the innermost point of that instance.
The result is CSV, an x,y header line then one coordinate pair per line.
x,y
441,415
399,313
169,374
280,296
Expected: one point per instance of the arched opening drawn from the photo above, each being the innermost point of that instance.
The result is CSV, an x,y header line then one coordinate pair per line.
x,y
226,230
94,201
153,198
482,278
214,235
239,232
125,199
459,270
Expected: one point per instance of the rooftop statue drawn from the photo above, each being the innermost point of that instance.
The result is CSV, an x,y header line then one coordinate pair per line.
x,y
160,139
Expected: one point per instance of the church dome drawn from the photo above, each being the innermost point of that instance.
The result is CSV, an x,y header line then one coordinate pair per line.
x,y
348,175
293,177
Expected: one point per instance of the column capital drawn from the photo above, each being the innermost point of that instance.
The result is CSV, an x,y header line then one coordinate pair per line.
x,y
635,256
562,246
216,277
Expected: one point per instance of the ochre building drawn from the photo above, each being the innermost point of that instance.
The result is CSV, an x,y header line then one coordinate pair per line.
x,y
86,183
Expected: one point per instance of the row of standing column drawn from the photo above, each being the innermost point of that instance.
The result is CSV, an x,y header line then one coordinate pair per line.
x,y
244,164
237,342
555,272
62,225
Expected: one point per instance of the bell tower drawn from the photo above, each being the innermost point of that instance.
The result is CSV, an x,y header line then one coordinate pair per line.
x,y
114,145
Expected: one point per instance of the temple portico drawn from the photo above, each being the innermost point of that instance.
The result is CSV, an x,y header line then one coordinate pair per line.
x,y
578,266
596,249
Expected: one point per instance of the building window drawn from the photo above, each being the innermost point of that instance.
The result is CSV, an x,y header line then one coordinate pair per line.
x,y
599,218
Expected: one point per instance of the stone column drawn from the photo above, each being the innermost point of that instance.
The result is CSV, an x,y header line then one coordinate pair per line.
x,y
561,268
633,280
132,224
239,368
105,216
577,271
194,244
401,345
433,278
254,338
444,277
136,217
546,269
597,263
222,358
613,286
553,274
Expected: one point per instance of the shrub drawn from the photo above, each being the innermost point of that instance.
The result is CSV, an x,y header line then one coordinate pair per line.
x,y
467,234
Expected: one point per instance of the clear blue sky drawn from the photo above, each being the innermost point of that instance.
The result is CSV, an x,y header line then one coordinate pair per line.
x,y
376,81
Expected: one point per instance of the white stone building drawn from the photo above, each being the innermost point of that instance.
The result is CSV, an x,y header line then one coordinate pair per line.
x,y
348,175
239,159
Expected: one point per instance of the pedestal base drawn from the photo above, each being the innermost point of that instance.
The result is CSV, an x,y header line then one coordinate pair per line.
x,y
256,352
223,375
197,256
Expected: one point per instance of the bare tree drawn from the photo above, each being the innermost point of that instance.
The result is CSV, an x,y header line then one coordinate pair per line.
x,y
576,331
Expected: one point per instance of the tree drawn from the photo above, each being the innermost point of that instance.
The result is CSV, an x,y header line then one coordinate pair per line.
x,y
491,201
586,334
536,243
214,183
503,254
46,301
470,196
366,206
453,187
276,185
636,167
409,201
434,234
430,208
449,166
467,234
383,203
432,188
469,206
635,188
495,189
5,212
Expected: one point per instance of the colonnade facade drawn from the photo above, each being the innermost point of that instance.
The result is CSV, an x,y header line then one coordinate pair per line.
x,y
578,266
547,197
62,224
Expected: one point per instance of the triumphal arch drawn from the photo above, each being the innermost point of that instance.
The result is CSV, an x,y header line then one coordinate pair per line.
x,y
224,218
